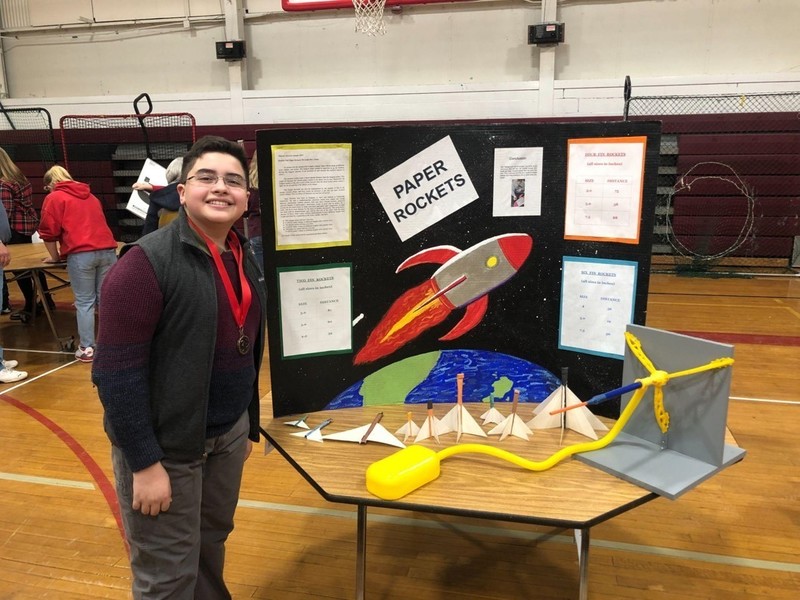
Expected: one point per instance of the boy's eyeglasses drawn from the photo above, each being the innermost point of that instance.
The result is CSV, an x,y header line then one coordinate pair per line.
x,y
209,178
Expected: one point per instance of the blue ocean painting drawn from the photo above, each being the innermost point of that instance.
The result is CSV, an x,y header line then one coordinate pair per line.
x,y
432,377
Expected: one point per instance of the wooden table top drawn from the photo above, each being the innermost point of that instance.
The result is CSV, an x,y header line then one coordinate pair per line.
x,y
571,494
29,256
25,257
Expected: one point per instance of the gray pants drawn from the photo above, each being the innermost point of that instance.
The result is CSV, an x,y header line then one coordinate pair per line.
x,y
180,554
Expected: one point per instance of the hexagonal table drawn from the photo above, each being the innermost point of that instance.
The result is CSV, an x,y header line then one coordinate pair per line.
x,y
571,495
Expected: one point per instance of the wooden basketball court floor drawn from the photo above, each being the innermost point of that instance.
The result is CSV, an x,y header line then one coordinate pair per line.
x,y
736,536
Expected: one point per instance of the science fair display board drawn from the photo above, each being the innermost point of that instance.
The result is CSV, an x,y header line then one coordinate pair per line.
x,y
400,257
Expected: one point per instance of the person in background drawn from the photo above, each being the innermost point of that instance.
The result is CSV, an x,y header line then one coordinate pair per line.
x,y
16,193
74,228
5,255
253,214
164,200
7,372
177,373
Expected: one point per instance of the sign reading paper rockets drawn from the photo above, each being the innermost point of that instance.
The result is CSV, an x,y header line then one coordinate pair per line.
x,y
425,189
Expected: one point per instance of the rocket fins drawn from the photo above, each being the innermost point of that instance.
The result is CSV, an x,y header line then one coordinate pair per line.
x,y
438,255
472,316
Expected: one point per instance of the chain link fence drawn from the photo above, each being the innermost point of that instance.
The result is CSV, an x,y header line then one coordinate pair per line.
x,y
728,181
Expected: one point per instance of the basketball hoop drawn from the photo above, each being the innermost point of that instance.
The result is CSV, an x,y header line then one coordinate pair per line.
x,y
369,16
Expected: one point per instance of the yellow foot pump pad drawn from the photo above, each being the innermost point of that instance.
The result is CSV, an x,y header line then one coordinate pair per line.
x,y
402,472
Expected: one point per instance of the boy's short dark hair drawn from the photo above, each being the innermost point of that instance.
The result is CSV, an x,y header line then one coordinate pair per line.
x,y
212,143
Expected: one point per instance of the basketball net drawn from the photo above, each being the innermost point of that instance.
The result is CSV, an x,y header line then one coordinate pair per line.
x,y
369,16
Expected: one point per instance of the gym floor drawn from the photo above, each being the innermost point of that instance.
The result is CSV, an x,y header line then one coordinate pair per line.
x,y
733,537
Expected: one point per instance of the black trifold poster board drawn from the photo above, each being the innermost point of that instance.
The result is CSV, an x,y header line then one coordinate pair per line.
x,y
522,317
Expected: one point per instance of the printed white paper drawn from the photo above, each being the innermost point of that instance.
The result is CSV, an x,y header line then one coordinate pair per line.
x,y
597,300
311,188
315,305
425,189
604,189
152,173
517,182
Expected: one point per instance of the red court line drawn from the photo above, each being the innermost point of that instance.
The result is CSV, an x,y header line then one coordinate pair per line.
x,y
745,338
106,487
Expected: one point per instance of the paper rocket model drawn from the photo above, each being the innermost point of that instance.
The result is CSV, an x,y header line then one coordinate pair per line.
x,y
378,434
408,430
458,418
513,424
301,422
580,419
315,434
492,415
432,427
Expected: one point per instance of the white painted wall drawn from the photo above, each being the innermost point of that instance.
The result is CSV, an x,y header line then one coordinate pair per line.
x,y
443,61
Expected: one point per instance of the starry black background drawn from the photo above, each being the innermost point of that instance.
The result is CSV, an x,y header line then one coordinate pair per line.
x,y
523,314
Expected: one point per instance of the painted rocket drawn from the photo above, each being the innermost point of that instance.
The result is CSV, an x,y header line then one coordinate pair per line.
x,y
464,280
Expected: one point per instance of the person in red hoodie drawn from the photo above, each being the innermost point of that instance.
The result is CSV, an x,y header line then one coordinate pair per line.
x,y
73,228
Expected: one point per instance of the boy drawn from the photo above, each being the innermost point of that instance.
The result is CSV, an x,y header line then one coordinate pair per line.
x,y
179,351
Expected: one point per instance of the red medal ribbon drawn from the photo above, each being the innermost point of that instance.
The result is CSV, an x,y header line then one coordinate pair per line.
x,y
239,309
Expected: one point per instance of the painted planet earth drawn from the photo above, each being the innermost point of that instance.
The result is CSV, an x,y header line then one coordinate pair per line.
x,y
432,377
